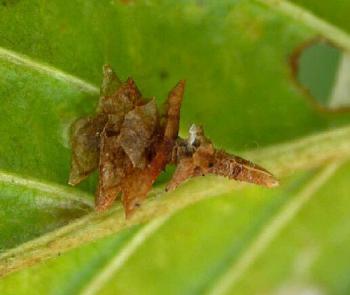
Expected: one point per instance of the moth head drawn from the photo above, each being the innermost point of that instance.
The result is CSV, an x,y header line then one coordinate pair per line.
x,y
196,134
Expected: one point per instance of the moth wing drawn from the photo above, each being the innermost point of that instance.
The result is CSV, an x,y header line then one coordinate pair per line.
x,y
185,169
113,167
137,131
85,139
121,99
110,82
139,182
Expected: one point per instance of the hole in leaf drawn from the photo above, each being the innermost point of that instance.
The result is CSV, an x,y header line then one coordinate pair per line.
x,y
323,72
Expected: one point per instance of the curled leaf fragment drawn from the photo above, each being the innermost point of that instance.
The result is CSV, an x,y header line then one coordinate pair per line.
x,y
131,145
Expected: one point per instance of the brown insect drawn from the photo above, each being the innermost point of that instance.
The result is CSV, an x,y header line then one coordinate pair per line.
x,y
131,142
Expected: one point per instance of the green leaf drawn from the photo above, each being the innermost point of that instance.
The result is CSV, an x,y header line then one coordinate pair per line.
x,y
334,13
235,56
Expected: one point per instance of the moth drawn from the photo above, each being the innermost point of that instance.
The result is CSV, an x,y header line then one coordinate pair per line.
x,y
130,141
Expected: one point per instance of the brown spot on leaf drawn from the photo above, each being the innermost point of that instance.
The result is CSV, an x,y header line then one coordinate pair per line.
x,y
163,74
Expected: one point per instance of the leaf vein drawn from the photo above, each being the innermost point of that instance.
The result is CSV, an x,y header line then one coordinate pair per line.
x,y
303,15
49,70
235,271
122,257
57,191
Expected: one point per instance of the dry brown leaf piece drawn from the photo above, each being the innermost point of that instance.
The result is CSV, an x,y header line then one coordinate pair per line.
x,y
131,145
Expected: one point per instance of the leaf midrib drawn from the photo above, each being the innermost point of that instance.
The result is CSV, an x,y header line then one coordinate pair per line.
x,y
283,159
98,225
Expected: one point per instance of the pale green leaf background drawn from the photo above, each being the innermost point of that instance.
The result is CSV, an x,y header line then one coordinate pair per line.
x,y
210,236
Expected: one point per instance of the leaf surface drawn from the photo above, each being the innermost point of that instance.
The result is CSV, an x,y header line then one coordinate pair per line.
x,y
235,56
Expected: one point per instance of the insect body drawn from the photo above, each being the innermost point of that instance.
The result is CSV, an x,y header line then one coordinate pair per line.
x,y
130,142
